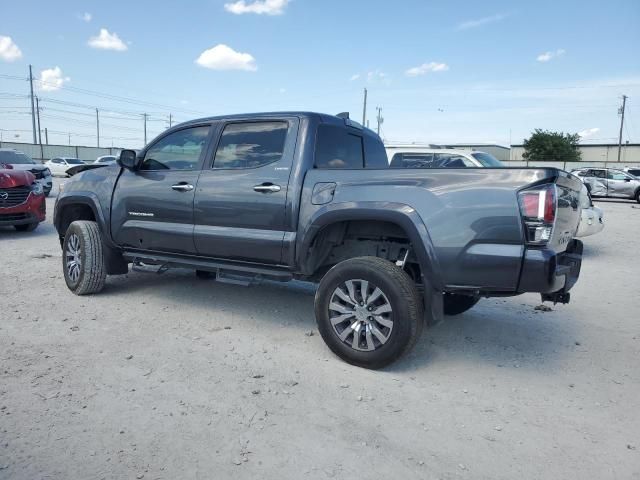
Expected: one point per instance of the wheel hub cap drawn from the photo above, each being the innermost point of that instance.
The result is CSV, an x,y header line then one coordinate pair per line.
x,y
72,258
361,315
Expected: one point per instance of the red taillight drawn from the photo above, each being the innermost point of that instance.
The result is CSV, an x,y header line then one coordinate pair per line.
x,y
538,208
550,205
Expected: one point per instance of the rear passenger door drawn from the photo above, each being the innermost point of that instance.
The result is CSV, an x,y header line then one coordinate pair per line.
x,y
596,181
241,197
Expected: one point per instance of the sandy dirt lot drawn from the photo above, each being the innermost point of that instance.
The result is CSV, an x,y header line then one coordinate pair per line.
x,y
171,377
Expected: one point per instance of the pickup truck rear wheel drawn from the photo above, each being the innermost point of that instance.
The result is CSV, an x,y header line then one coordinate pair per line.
x,y
82,258
368,311
455,304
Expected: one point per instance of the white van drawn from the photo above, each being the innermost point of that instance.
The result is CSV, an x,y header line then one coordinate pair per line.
x,y
413,156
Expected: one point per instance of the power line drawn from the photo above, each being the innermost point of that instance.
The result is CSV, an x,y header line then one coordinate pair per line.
x,y
116,98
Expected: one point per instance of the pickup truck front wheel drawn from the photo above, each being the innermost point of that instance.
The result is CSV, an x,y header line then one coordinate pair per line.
x,y
368,311
82,258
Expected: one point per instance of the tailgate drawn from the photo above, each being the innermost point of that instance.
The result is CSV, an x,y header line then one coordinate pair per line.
x,y
568,188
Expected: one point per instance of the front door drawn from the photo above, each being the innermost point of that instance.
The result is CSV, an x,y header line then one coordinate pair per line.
x,y
240,203
153,206
619,184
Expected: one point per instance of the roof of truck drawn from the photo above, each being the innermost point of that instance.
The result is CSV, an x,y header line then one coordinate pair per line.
x,y
323,117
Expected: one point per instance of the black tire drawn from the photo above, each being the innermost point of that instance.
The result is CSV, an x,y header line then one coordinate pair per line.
x,y
89,274
455,304
398,292
638,196
27,227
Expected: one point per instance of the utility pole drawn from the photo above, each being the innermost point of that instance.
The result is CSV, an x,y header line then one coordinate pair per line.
x,y
379,118
38,116
621,110
170,121
69,139
144,115
33,112
46,135
364,109
98,127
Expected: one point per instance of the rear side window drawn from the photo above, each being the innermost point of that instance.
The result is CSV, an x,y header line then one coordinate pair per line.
x,y
337,148
375,155
251,144
635,172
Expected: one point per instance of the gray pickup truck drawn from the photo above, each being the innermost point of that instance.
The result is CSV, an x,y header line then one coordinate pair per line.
x,y
309,196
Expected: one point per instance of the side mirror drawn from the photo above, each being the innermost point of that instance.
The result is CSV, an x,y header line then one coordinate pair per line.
x,y
128,159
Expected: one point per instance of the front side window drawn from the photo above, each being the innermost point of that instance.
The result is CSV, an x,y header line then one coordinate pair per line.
x,y
251,145
486,159
450,160
613,175
74,161
180,150
336,147
412,160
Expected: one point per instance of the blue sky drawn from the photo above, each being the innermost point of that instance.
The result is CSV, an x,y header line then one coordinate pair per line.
x,y
442,71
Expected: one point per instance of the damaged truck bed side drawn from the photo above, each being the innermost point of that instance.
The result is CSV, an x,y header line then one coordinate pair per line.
x,y
310,196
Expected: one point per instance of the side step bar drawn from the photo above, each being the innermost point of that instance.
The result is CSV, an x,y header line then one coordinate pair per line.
x,y
228,272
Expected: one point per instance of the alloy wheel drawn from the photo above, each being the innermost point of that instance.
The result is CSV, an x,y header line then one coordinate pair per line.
x,y
361,315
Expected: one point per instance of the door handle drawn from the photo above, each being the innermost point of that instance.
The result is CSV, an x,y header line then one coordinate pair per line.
x,y
267,188
182,187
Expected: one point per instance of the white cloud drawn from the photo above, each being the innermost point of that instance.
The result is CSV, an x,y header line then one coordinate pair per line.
x,y
9,51
546,56
425,68
222,57
481,21
354,77
376,75
52,79
268,7
107,41
85,17
589,132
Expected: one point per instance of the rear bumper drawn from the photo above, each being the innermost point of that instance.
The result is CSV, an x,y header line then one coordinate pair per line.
x,y
551,274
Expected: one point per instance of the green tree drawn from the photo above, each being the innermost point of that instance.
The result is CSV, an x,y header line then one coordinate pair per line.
x,y
544,145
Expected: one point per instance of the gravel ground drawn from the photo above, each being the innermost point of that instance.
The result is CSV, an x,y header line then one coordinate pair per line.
x,y
171,377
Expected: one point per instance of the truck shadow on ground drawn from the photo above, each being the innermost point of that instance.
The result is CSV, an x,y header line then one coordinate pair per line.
x,y
503,332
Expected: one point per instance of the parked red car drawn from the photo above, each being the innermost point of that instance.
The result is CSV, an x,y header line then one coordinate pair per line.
x,y
22,200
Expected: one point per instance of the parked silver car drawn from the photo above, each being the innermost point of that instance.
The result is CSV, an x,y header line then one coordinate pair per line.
x,y
609,182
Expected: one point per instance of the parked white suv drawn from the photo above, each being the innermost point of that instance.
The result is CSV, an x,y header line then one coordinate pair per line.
x,y
412,156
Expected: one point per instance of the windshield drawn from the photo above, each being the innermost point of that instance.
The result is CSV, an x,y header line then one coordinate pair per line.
x,y
487,160
74,161
15,158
